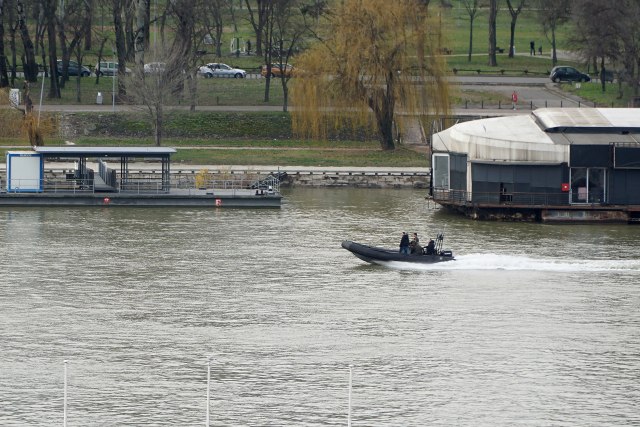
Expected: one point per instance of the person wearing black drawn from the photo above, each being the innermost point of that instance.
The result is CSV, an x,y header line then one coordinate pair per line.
x,y
415,245
431,247
404,243
532,46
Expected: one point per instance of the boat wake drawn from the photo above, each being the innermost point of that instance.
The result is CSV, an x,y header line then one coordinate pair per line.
x,y
522,263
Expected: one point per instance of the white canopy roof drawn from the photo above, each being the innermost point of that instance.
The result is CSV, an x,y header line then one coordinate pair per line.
x,y
542,136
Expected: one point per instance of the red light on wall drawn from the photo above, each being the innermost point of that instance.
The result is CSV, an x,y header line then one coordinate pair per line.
x,y
565,187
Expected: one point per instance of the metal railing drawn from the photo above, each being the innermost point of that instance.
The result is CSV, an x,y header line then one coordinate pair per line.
x,y
142,186
461,197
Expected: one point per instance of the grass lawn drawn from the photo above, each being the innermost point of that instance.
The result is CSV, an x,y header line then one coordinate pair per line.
x,y
217,91
262,153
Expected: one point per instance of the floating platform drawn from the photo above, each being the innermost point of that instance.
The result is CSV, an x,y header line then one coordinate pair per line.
x,y
175,198
29,184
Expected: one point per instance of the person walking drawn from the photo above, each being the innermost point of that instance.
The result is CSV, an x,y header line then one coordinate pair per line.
x,y
514,99
532,48
404,243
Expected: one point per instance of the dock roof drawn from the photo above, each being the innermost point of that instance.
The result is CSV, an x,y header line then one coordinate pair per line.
x,y
105,151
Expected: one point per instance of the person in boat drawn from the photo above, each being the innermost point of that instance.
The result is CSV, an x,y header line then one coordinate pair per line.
x,y
431,248
404,243
415,245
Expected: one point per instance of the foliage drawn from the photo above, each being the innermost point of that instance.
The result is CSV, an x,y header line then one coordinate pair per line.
x,y
202,178
365,63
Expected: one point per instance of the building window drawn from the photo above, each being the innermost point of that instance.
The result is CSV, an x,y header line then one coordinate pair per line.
x,y
588,185
440,171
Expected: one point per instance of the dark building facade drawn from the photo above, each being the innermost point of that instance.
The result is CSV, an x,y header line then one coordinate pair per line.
x,y
550,165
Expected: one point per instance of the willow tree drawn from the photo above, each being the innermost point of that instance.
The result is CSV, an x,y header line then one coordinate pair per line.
x,y
375,67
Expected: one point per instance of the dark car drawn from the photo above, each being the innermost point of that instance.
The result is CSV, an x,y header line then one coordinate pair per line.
x,y
609,75
74,69
568,74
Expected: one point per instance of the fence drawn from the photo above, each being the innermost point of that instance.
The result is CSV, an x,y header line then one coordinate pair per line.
x,y
462,198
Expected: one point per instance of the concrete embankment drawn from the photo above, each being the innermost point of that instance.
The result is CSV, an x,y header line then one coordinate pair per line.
x,y
392,177
309,176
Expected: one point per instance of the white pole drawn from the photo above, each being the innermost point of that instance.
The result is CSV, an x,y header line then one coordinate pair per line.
x,y
349,415
65,395
41,93
208,383
113,85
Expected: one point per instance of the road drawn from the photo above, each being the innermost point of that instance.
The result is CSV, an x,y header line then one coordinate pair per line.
x,y
533,92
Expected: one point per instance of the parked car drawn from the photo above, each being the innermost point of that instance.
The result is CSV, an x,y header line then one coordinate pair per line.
x,y
74,69
568,74
276,71
609,75
108,68
154,67
215,69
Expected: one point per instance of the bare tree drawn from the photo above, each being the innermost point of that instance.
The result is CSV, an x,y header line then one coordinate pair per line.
x,y
514,11
118,9
597,32
288,27
29,58
49,7
258,16
493,14
155,88
13,30
471,6
553,13
4,76
214,21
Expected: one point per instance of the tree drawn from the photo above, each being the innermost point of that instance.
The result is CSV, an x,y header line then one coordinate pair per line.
x,y
29,58
365,72
153,89
630,45
49,7
258,18
118,9
288,26
597,32
514,11
4,76
553,13
471,7
493,14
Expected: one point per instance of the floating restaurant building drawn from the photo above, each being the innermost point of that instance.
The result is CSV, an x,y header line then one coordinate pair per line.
x,y
554,164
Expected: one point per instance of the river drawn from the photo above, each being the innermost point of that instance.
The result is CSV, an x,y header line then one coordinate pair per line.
x,y
532,324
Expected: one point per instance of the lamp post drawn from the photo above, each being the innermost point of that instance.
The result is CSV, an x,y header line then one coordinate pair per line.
x,y
64,420
349,413
113,83
208,387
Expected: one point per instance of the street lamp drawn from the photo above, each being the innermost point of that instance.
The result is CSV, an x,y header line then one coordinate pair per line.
x,y
113,82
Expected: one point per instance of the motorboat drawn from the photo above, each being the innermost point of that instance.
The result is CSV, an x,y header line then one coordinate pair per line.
x,y
375,255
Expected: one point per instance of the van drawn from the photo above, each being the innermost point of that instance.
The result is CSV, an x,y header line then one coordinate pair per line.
x,y
108,68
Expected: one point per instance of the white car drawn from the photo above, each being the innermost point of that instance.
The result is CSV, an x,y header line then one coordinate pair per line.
x,y
154,67
215,69
108,68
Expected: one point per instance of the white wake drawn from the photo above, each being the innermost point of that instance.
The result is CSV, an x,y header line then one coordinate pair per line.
x,y
522,263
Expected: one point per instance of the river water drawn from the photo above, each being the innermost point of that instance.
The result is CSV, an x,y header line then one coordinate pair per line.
x,y
532,325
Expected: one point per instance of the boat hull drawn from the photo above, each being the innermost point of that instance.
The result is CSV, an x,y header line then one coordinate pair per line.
x,y
375,255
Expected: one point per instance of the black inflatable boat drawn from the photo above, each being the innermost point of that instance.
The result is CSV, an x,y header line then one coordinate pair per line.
x,y
376,255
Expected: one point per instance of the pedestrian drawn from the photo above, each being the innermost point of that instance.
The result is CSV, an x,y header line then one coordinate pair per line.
x,y
532,48
514,99
404,243
540,49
